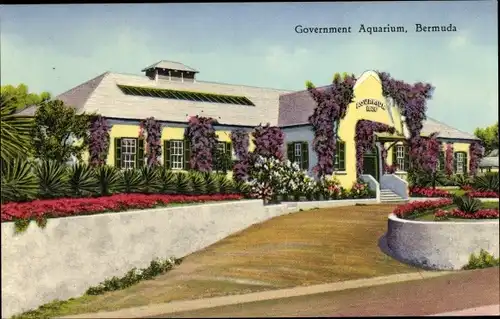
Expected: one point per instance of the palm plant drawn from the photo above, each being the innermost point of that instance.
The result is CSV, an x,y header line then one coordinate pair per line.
x,y
82,180
108,180
150,180
488,182
52,179
131,181
15,130
18,181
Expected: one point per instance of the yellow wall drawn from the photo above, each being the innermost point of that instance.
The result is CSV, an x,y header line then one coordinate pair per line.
x,y
370,88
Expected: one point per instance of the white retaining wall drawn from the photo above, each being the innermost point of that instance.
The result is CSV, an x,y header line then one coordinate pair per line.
x,y
441,245
73,253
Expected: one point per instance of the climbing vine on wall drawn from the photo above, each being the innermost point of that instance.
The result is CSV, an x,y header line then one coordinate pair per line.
x,y
241,142
425,152
268,141
150,130
201,133
331,107
99,141
365,139
476,152
449,159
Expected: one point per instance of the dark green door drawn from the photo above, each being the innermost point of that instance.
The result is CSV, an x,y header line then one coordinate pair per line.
x,y
370,163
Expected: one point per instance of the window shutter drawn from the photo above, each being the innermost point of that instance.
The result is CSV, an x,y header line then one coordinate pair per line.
x,y
166,155
140,153
394,155
341,152
290,151
455,162
466,166
441,161
118,152
305,156
187,154
407,157
229,156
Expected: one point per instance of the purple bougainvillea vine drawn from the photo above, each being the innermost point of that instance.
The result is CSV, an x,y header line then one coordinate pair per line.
x,y
150,130
365,139
268,141
201,133
476,152
331,107
425,152
241,142
99,141
449,159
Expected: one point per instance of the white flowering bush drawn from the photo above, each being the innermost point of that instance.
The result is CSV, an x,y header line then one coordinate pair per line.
x,y
271,177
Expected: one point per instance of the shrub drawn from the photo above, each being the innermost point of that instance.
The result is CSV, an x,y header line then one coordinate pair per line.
x,y
108,180
467,204
212,182
226,185
150,180
242,188
462,180
18,181
82,180
482,260
184,185
486,194
168,181
131,181
329,187
199,183
360,189
487,182
52,179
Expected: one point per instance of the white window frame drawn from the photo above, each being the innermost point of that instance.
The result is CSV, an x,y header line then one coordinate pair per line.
x,y
128,153
221,147
176,154
460,163
400,158
297,153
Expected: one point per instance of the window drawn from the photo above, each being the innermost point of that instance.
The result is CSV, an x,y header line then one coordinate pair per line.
x,y
129,153
339,158
460,163
222,159
441,162
400,157
298,152
176,154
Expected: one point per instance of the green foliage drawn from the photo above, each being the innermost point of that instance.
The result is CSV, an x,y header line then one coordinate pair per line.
x,y
212,182
488,137
133,276
150,180
243,188
462,180
487,182
56,131
18,181
467,204
108,179
482,260
21,97
20,225
168,181
226,185
199,183
423,179
82,180
184,185
14,130
310,85
52,179
131,181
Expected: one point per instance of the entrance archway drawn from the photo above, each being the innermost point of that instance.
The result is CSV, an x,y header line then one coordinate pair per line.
x,y
371,162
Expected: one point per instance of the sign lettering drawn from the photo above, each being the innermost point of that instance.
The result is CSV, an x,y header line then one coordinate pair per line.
x,y
371,105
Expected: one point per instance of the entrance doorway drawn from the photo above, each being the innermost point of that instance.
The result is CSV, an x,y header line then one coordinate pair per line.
x,y
371,163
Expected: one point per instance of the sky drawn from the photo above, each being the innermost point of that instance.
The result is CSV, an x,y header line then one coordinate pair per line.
x,y
56,47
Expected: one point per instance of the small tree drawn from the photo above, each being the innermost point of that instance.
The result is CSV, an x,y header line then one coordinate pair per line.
x,y
488,137
56,131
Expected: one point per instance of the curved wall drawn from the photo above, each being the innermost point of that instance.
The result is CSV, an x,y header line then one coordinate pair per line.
x,y
440,245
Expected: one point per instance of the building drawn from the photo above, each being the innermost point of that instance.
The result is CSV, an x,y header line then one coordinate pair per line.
x,y
489,163
170,92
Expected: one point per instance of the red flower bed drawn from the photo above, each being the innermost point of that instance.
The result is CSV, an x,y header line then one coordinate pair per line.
x,y
479,194
428,192
480,214
40,209
420,206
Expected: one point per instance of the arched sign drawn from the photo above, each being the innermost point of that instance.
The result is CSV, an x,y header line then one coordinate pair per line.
x,y
372,105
